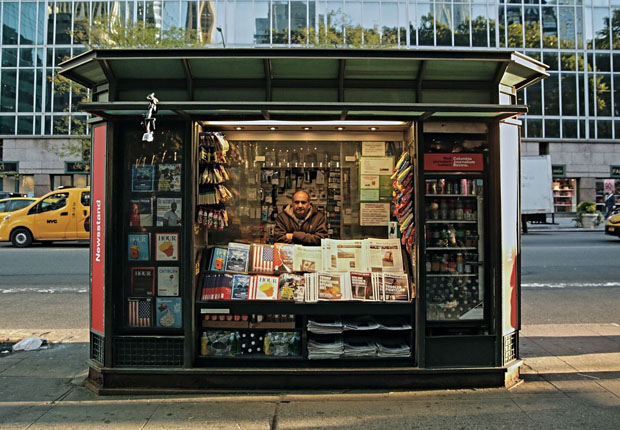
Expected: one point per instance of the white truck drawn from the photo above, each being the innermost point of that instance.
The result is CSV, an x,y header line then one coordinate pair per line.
x,y
536,189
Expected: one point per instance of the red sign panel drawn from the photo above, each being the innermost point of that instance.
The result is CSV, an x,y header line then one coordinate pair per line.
x,y
97,229
460,162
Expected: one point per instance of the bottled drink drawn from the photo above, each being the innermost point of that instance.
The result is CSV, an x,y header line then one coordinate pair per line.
x,y
458,212
443,209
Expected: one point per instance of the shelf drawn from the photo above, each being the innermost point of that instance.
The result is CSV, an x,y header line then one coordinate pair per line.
x,y
460,275
439,248
320,308
441,221
452,195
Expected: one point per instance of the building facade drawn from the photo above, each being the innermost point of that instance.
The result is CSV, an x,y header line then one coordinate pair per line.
x,y
574,114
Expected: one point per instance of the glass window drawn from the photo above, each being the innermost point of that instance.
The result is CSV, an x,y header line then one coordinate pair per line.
x,y
591,96
443,24
9,91
60,124
568,61
515,26
25,101
617,128
534,100
581,95
353,23
26,57
532,26
7,125
55,201
551,59
501,20
569,94
85,196
567,27
9,57
171,15
389,23
569,128
299,22
603,129
189,16
617,97
48,89
370,23
534,127
615,33
63,22
552,128
41,18
20,204
62,54
40,57
462,19
426,26
479,26
9,23
149,13
279,22
603,62
603,95
26,184
600,27
78,125
24,124
579,25
261,9
550,27
551,91
28,26
100,9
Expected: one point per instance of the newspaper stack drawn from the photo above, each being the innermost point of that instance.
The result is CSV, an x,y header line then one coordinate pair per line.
x,y
359,346
394,324
325,347
360,324
393,348
325,326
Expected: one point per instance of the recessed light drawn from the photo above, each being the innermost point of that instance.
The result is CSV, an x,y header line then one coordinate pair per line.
x,y
307,128
373,128
273,128
238,128
340,128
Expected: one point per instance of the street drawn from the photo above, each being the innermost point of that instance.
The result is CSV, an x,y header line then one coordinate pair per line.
x,y
567,277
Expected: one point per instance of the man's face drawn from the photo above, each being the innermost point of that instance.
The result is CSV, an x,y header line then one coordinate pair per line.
x,y
173,207
301,204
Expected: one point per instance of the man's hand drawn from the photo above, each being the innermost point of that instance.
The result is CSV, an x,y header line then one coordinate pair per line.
x,y
289,236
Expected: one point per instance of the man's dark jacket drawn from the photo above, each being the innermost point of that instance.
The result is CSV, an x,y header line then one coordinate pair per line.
x,y
308,231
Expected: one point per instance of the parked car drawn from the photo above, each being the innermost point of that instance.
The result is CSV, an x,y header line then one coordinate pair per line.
x,y
60,215
13,204
612,226
7,195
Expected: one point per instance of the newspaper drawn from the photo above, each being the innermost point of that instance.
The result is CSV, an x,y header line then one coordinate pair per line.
x,y
343,255
307,259
383,255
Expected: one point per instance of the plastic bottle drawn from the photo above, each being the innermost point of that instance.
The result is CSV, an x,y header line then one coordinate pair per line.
x,y
204,344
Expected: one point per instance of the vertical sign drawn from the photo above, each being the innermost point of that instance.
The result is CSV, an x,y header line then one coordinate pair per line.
x,y
97,229
509,190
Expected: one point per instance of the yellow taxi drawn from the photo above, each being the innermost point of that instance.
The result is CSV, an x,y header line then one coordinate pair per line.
x,y
62,214
13,204
612,226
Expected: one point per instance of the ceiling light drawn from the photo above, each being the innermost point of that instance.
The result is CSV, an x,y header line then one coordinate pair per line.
x,y
373,128
347,123
273,128
340,128
238,128
307,128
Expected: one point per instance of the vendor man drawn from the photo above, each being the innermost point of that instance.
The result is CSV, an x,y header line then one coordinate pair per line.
x,y
300,222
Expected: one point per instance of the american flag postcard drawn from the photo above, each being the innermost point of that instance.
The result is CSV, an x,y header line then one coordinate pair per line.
x,y
262,258
140,312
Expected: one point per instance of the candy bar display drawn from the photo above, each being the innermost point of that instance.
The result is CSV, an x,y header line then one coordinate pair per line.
x,y
212,176
403,199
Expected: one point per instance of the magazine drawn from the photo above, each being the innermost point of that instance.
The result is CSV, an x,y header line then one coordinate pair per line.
x,y
142,178
330,286
217,262
140,213
138,247
140,312
167,281
291,287
342,255
383,255
238,257
169,313
283,257
167,246
240,287
142,281
169,211
263,287
307,259
169,177
262,258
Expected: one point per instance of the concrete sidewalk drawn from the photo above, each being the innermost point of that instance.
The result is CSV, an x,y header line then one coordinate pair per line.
x,y
561,223
571,379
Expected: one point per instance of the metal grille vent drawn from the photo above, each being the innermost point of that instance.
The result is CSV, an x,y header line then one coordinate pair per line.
x,y
96,348
147,351
510,347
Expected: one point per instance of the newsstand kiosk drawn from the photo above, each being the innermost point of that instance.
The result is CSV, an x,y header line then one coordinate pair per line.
x,y
413,158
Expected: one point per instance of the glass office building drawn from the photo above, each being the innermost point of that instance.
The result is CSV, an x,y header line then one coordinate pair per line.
x,y
577,106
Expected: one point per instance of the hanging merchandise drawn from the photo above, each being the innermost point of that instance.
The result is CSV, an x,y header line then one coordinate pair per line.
x,y
213,173
403,199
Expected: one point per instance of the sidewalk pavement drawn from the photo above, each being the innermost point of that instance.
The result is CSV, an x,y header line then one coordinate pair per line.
x,y
571,379
561,223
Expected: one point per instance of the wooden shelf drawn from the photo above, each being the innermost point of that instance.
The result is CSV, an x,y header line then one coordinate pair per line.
x,y
320,308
